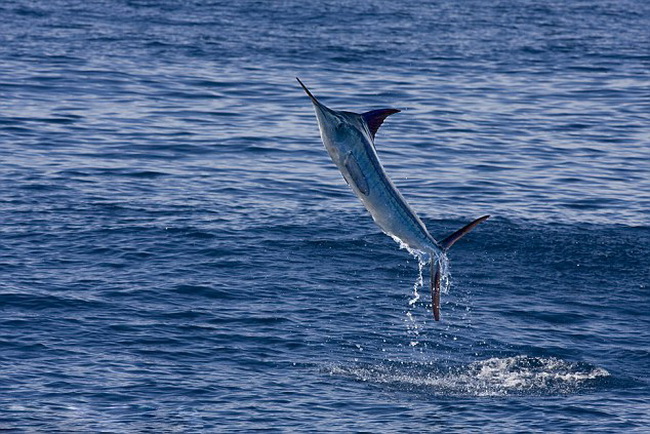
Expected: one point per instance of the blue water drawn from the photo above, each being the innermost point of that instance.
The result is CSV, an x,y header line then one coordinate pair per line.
x,y
179,254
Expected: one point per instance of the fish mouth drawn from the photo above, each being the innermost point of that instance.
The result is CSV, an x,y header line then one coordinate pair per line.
x,y
323,112
312,97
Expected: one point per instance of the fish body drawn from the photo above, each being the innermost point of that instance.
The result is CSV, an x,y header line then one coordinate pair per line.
x,y
350,144
349,140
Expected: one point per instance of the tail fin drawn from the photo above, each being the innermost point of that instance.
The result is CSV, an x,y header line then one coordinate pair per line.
x,y
435,289
451,239
435,267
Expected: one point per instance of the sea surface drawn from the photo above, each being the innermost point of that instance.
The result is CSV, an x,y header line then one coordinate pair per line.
x,y
179,254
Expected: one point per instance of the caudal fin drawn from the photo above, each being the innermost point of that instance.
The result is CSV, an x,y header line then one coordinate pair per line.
x,y
435,266
435,289
451,239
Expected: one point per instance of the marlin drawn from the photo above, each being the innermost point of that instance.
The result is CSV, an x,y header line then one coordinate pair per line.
x,y
350,141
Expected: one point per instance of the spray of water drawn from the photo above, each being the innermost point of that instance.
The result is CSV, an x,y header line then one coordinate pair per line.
x,y
412,325
445,276
423,258
419,282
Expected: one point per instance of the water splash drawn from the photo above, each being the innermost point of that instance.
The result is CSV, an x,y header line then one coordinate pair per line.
x,y
519,375
445,275
419,282
413,327
423,259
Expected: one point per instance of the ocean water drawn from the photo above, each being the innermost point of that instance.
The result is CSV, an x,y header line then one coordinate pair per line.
x,y
179,254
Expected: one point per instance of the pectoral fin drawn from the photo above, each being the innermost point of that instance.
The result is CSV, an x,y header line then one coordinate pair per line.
x,y
356,174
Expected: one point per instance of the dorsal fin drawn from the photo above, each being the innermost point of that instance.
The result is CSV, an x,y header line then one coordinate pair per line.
x,y
375,118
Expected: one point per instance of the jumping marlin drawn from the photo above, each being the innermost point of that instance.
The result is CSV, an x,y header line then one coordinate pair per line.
x,y
350,141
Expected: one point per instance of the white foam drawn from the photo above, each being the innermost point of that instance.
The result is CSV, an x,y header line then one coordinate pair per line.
x,y
491,377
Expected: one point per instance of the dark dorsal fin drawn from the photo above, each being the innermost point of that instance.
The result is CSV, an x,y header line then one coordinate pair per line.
x,y
375,118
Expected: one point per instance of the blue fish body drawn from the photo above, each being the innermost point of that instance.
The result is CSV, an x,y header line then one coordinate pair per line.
x,y
349,140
